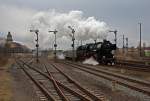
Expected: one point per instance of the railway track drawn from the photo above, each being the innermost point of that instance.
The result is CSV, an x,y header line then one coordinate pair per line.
x,y
54,85
132,83
132,65
40,90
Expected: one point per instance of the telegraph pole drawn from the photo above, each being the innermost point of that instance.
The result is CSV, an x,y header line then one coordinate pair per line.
x,y
73,39
115,32
37,44
55,45
140,39
123,45
81,42
127,44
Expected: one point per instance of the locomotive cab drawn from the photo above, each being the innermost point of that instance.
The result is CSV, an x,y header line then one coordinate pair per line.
x,y
105,53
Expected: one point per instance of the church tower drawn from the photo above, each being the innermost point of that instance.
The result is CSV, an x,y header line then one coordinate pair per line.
x,y
9,38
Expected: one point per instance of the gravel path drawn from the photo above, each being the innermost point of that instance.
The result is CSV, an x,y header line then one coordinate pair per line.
x,y
21,87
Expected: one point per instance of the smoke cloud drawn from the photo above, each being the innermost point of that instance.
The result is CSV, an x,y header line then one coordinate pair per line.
x,y
20,20
85,28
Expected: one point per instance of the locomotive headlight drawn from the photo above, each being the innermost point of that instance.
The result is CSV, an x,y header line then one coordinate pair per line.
x,y
112,52
94,50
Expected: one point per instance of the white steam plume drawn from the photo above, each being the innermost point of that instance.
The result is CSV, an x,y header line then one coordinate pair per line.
x,y
90,61
85,28
18,21
61,56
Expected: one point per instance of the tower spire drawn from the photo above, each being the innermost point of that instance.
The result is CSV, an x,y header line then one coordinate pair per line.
x,y
9,37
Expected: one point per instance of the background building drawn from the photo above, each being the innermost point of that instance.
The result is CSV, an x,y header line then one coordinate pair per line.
x,y
9,46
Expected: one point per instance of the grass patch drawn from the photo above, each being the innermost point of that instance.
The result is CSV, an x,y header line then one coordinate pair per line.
x,y
5,87
3,60
5,80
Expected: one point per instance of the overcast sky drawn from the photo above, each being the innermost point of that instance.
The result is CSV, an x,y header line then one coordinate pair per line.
x,y
123,15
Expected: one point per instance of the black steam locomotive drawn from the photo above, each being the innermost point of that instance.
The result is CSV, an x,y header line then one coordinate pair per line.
x,y
103,52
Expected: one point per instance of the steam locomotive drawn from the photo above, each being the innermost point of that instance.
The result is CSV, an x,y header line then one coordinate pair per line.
x,y
103,52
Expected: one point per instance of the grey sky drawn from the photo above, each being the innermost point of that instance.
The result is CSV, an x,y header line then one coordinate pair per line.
x,y
122,15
